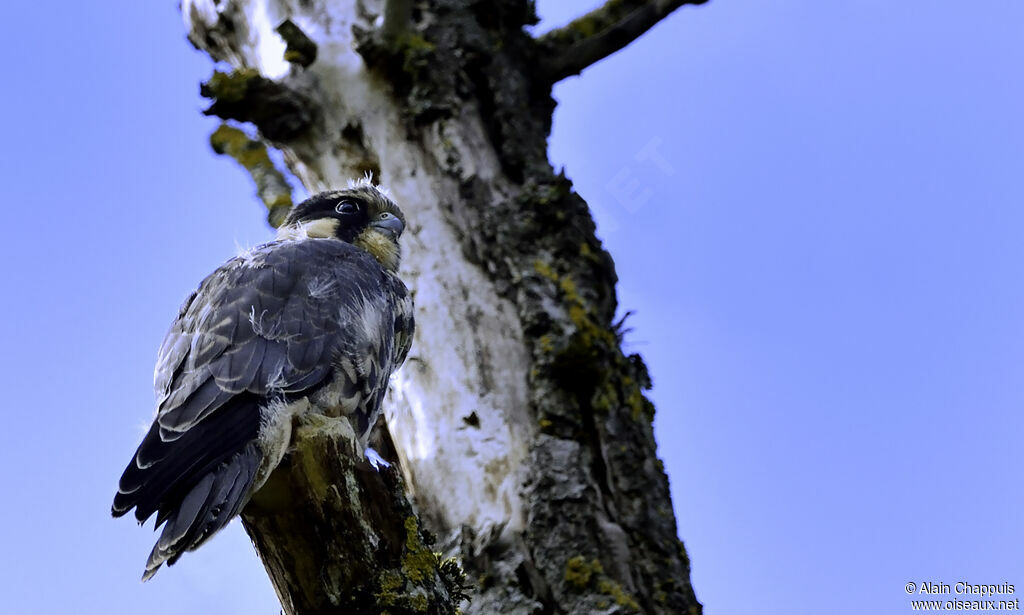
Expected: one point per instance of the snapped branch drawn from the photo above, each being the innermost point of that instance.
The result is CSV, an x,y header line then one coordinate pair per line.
x,y
598,34
338,537
281,112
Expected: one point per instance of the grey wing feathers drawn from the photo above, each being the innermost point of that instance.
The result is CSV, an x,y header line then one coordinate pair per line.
x,y
405,328
264,326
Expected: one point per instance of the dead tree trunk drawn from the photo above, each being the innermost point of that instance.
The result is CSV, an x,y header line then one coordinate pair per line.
x,y
521,427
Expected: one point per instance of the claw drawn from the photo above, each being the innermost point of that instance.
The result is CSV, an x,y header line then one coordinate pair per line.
x,y
375,459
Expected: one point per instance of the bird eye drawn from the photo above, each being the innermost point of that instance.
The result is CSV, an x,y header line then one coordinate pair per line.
x,y
346,207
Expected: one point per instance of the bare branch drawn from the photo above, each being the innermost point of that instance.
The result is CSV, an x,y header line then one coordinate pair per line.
x,y
271,186
600,33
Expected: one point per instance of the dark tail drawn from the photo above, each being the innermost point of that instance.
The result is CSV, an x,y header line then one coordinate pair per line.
x,y
206,508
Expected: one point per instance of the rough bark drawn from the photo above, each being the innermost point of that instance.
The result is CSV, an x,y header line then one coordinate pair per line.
x,y
337,536
521,427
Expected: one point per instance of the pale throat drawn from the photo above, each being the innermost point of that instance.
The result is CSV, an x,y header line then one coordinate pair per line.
x,y
381,247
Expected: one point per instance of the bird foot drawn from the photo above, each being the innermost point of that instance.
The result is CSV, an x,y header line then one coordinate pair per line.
x,y
375,459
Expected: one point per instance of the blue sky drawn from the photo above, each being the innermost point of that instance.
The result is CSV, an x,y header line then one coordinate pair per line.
x,y
815,210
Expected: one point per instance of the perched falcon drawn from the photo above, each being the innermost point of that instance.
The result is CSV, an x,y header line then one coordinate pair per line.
x,y
314,321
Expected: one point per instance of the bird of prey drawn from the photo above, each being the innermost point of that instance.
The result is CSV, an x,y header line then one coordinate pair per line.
x,y
313,322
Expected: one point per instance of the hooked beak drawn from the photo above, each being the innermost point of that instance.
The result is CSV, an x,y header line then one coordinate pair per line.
x,y
391,226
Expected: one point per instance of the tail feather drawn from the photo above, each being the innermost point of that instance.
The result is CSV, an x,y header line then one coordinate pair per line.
x,y
208,507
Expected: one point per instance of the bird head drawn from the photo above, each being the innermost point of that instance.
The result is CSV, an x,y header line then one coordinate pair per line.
x,y
361,215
